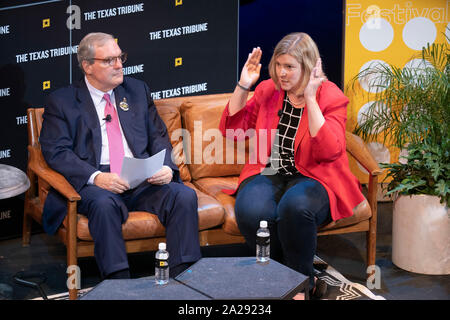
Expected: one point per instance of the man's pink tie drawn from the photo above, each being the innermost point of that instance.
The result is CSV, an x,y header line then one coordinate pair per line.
x,y
115,143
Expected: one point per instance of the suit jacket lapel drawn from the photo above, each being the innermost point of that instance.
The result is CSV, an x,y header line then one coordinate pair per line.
x,y
303,126
126,117
278,106
90,117
274,118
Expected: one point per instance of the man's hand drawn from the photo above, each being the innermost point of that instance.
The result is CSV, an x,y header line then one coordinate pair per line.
x,y
111,182
163,176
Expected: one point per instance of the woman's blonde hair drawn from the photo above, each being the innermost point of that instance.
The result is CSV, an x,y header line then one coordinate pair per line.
x,y
300,46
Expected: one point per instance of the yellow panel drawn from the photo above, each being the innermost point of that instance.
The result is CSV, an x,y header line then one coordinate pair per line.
x,y
390,31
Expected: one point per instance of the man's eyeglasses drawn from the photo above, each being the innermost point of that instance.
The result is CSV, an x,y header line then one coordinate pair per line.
x,y
112,60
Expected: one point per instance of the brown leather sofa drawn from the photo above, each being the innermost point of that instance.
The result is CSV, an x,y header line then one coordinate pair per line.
x,y
207,175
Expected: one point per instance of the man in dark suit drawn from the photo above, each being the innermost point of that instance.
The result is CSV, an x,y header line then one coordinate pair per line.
x,y
87,129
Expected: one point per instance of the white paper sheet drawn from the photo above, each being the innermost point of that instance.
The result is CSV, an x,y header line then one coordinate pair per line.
x,y
134,171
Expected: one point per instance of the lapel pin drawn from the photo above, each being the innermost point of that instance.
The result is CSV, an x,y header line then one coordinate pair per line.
x,y
124,105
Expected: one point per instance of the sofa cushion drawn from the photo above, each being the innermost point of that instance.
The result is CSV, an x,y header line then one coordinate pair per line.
x,y
169,111
206,150
213,187
141,224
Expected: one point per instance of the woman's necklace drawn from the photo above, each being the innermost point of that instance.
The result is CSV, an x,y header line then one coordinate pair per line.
x,y
301,101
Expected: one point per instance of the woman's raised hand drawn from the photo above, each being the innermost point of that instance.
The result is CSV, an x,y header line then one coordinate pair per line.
x,y
315,80
250,71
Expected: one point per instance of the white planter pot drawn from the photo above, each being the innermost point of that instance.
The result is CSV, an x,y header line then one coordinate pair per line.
x,y
421,235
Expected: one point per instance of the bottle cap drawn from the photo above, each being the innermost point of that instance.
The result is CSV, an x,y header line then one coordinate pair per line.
x,y
162,246
263,224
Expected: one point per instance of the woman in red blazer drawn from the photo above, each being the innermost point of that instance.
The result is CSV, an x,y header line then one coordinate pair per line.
x,y
298,178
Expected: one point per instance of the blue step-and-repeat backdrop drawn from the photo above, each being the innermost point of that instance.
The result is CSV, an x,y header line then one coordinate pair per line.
x,y
179,47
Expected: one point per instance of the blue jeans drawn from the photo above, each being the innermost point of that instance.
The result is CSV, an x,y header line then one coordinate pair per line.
x,y
294,208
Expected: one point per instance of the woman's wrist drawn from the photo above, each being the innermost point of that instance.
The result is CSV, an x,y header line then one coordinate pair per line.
x,y
309,99
245,88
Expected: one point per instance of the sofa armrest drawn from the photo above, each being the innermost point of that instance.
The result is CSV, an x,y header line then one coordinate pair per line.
x,y
357,148
38,165
214,186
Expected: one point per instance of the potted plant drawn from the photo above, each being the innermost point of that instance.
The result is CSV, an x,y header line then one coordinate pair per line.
x,y
411,111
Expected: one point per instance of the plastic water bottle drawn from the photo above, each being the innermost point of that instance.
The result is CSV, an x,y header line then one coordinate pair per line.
x,y
162,265
263,242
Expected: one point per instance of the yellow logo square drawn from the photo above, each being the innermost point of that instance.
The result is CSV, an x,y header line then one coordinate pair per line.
x,y
178,2
46,23
178,62
46,85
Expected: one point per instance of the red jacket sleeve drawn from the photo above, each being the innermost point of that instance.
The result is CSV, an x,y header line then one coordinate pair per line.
x,y
244,119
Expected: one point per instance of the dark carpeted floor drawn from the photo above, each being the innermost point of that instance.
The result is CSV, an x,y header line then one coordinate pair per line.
x,y
346,253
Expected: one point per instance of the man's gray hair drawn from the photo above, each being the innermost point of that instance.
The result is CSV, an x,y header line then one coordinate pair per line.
x,y
86,48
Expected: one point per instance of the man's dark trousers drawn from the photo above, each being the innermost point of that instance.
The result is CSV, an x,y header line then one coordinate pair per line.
x,y
174,203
